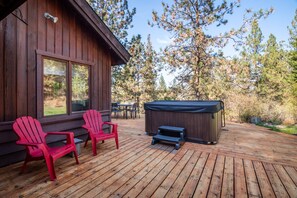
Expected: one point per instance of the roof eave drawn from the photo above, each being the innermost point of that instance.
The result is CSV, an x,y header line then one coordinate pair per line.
x,y
7,7
85,10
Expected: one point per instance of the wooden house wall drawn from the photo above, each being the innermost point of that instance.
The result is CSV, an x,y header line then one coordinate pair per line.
x,y
21,43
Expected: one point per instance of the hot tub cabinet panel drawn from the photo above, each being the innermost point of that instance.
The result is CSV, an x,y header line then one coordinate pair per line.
x,y
202,122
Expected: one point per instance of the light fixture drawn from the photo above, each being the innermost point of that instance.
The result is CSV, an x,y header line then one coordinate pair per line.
x,y
51,17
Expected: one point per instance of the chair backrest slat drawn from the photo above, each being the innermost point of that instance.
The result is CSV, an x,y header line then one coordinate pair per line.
x,y
93,120
37,130
21,130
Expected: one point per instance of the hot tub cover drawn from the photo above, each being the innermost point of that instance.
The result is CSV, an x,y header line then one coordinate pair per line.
x,y
190,106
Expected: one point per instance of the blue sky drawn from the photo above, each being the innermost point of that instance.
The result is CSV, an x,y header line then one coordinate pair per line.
x,y
276,23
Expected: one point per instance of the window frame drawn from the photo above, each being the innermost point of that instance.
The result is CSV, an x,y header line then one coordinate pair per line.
x,y
41,55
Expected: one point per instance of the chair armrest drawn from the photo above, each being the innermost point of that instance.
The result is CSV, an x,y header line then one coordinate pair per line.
x,y
114,126
70,136
110,123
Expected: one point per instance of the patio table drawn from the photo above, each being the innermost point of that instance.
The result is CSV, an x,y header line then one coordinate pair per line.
x,y
125,107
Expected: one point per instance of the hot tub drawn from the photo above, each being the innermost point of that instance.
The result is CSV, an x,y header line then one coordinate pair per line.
x,y
202,120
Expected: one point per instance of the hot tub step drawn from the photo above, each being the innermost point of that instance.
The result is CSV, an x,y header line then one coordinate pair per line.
x,y
170,134
166,138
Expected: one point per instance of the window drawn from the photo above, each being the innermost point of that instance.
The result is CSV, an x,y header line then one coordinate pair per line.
x,y
59,77
80,88
54,87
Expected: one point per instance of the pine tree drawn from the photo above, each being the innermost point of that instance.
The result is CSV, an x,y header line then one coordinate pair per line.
x,y
162,89
116,15
293,57
193,51
273,82
224,78
149,73
254,50
251,58
128,86
137,79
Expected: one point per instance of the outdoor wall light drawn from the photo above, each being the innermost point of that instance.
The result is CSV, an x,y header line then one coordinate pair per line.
x,y
51,17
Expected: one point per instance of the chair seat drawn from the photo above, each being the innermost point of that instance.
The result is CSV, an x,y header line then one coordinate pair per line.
x,y
54,152
104,136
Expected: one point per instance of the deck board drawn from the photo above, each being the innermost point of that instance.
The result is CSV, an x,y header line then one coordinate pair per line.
x,y
264,183
179,183
276,183
135,166
286,180
102,172
292,173
37,173
240,178
147,164
190,186
216,181
228,179
139,177
231,168
76,176
148,185
203,184
251,179
172,176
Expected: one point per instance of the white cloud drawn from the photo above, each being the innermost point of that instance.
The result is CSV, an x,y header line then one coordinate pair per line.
x,y
165,41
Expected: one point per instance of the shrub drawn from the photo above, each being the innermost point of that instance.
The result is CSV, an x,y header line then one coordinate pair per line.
x,y
241,108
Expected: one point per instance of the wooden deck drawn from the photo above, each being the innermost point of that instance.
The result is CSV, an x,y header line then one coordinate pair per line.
x,y
248,161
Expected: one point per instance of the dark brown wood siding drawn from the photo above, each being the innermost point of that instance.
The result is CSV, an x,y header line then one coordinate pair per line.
x,y
21,46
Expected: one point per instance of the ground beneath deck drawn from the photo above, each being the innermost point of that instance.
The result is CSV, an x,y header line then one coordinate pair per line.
x,y
248,161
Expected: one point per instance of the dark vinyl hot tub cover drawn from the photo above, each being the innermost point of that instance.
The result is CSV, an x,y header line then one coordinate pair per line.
x,y
189,106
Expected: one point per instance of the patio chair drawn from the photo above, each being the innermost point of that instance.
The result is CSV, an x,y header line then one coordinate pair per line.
x,y
94,125
115,108
32,136
134,110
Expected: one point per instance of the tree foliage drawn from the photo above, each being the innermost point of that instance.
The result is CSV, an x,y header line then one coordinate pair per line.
x,y
127,87
137,79
162,89
293,56
80,82
193,51
273,80
260,81
116,15
149,73
251,55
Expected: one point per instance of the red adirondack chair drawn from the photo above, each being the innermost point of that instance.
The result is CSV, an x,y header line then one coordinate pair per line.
x,y
94,125
32,136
